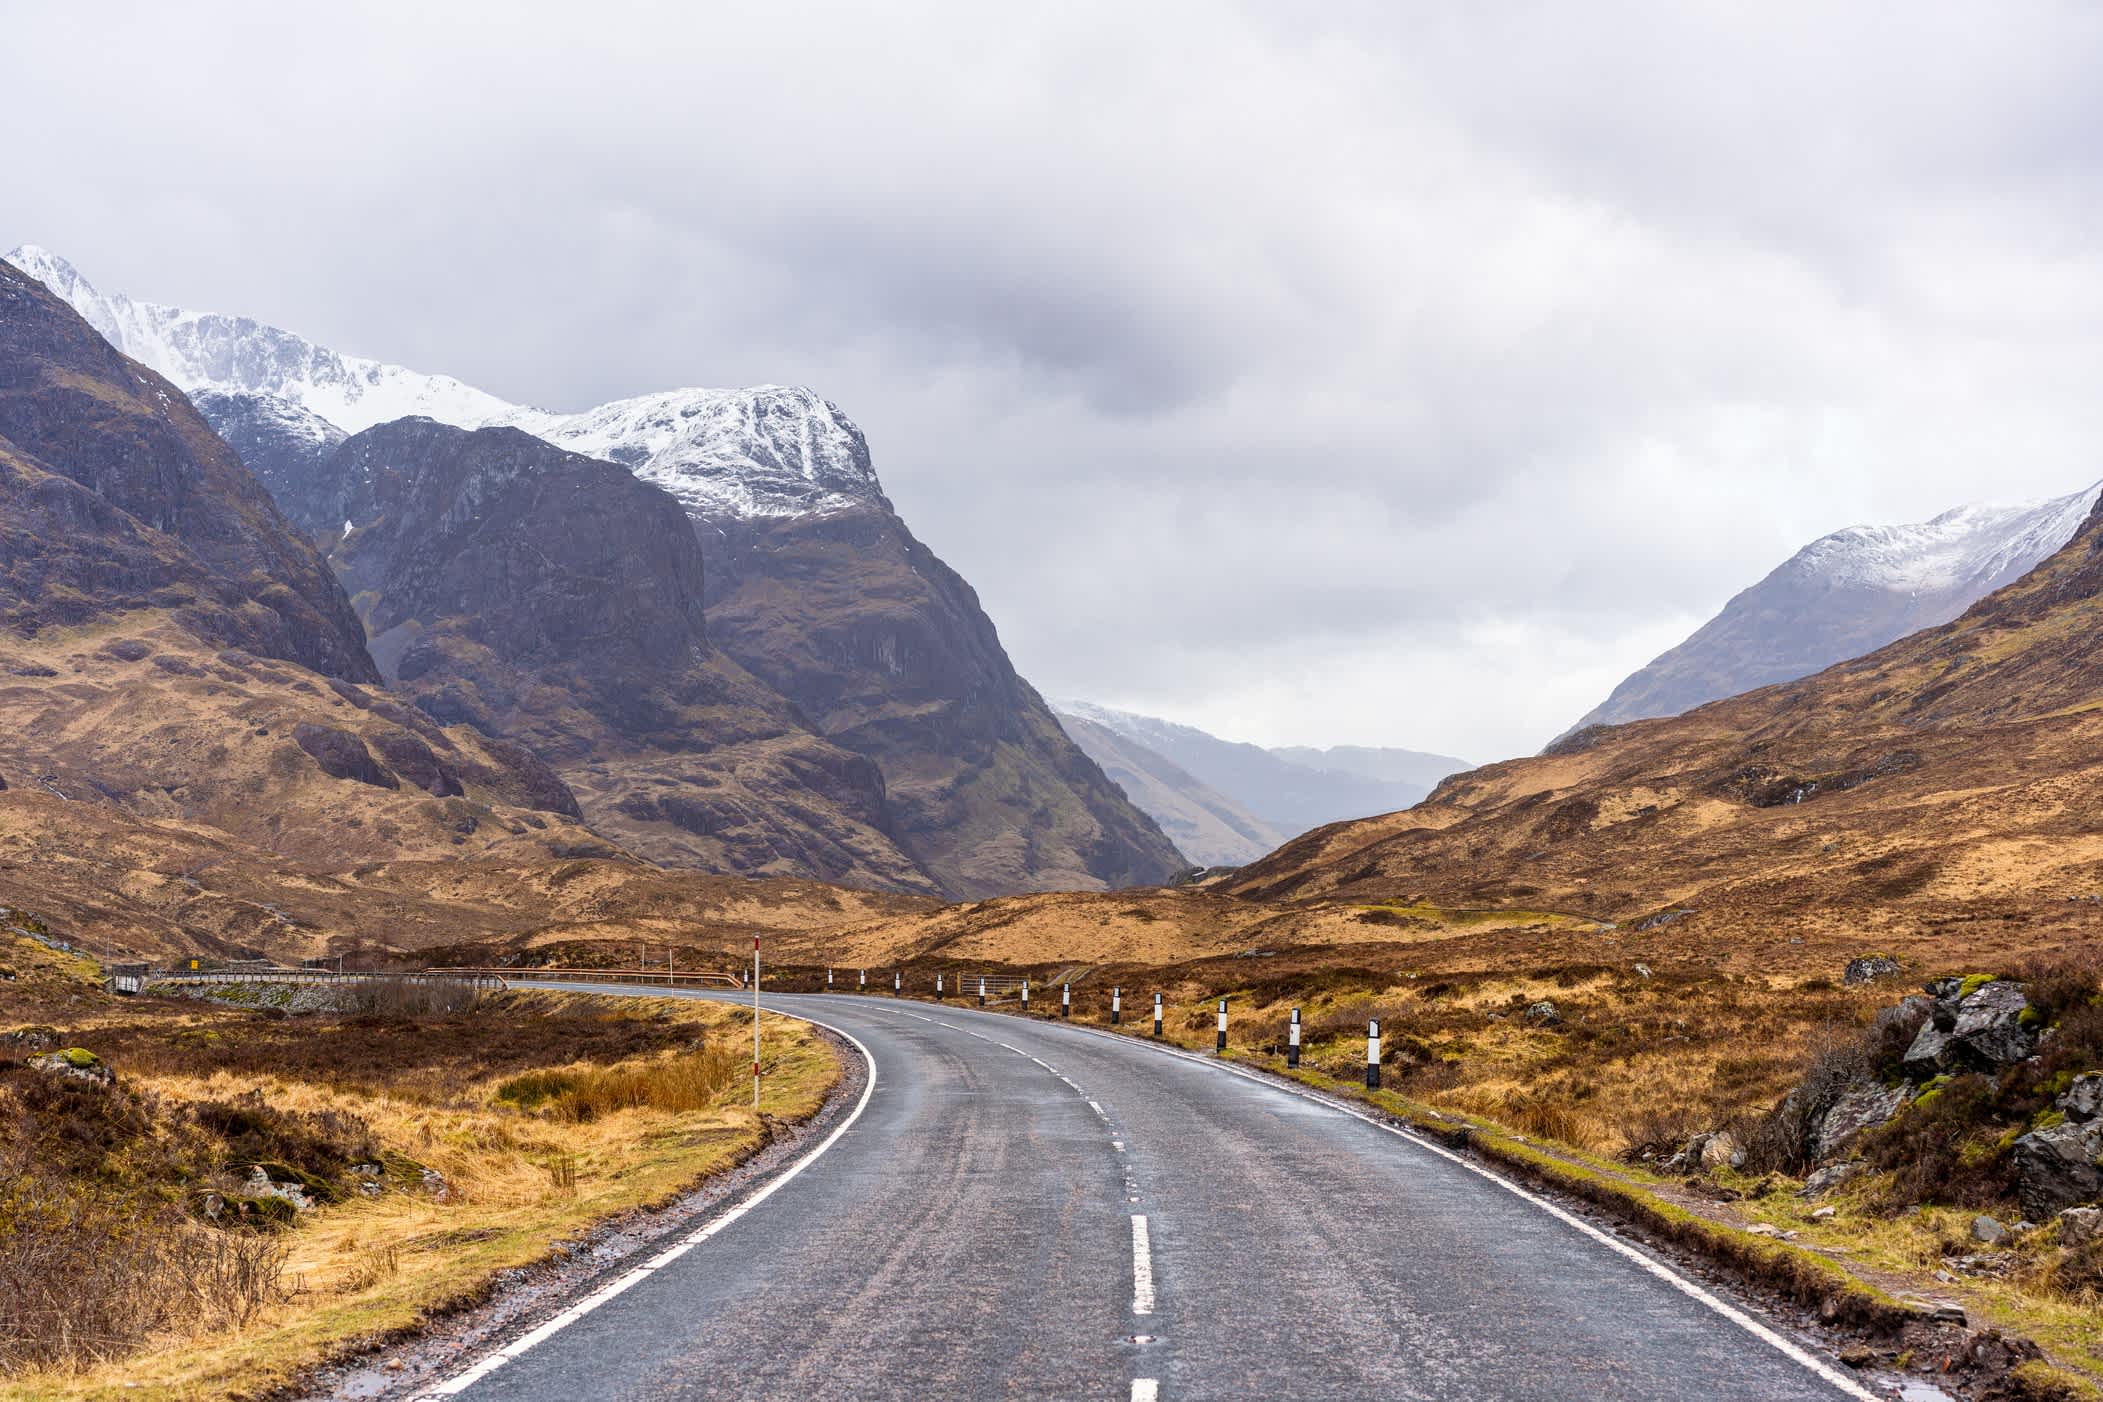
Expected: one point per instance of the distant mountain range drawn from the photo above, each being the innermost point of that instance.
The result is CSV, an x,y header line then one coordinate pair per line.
x,y
1226,802
788,683
1846,594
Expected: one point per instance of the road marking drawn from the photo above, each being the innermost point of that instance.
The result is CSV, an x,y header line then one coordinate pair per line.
x,y
1142,1269
1656,1268
460,1382
1098,1110
1145,1390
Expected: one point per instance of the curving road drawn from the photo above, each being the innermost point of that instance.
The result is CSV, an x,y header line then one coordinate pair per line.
x,y
1027,1209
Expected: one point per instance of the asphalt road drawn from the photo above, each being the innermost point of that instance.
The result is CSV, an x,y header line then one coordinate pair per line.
x,y
1027,1209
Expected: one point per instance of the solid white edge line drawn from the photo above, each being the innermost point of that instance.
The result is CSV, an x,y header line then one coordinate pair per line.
x,y
460,1382
1650,1265
1142,1266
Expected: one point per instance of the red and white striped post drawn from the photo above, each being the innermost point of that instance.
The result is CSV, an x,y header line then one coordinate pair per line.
x,y
1157,1014
755,1022
1221,1048
1117,1006
1292,1040
1372,1055
1065,1000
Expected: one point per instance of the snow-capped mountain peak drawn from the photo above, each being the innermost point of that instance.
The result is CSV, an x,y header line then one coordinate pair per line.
x,y
772,450
1846,594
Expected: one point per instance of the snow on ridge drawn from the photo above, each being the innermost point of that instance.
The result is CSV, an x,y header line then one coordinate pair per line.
x,y
1991,543
766,451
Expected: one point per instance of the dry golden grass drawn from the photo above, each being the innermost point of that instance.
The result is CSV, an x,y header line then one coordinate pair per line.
x,y
517,1181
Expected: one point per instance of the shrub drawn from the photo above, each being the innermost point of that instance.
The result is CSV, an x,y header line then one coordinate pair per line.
x,y
1945,1148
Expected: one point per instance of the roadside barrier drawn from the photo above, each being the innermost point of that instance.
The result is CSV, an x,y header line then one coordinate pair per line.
x,y
1292,1040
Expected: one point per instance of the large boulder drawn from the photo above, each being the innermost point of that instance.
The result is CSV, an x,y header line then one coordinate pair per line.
x,y
1974,1025
2056,1168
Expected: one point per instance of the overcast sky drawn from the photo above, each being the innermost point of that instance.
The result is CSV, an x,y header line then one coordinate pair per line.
x,y
1402,375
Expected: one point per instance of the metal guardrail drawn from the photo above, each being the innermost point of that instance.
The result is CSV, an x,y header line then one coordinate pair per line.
x,y
478,978
699,978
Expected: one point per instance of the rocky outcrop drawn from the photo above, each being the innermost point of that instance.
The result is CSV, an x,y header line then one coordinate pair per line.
x,y
1974,1025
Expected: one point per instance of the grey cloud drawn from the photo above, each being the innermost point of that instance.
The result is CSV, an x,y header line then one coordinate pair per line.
x,y
1393,374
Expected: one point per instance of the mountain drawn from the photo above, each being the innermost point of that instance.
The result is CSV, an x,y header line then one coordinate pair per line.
x,y
557,599
813,585
1843,595
1944,783
1285,794
1207,826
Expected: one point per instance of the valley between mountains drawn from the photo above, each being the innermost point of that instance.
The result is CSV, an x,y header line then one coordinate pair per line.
x,y
1777,972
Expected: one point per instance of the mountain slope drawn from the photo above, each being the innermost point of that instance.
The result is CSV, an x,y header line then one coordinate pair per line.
x,y
1843,595
1207,826
1950,776
1286,795
886,650
72,406
174,650
814,585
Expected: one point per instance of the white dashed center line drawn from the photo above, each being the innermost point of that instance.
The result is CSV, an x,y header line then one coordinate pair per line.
x,y
1142,1268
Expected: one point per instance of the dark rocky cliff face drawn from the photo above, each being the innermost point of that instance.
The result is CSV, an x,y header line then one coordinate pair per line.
x,y
556,599
886,650
177,523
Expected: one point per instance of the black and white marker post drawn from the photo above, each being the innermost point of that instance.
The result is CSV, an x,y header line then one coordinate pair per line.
x,y
861,982
755,1022
1221,1048
938,988
1117,1006
1157,1014
1372,1054
897,983
828,980
1065,1000
982,990
1025,997
1292,1040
